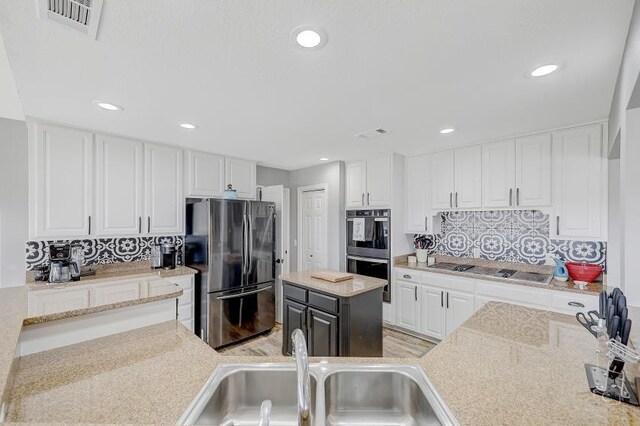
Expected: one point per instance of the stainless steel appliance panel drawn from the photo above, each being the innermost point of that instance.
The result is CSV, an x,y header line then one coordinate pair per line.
x,y
261,250
378,242
239,314
372,267
228,235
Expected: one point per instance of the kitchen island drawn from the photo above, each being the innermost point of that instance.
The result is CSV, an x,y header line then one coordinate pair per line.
x,y
338,319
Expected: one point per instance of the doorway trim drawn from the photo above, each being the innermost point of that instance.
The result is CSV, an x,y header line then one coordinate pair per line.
x,y
310,188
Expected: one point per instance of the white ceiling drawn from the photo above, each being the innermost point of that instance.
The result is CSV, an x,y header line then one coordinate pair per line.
x,y
412,67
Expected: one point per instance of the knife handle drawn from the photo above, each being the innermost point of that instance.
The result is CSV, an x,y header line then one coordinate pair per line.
x,y
626,331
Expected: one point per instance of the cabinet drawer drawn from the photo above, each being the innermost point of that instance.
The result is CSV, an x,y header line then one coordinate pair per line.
x,y
295,293
573,303
406,275
326,303
520,295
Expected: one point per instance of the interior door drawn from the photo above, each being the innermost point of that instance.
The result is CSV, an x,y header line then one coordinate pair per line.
x,y
262,242
468,172
119,183
280,196
314,233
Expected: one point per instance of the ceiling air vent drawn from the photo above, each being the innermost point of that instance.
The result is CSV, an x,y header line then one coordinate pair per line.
x,y
370,134
80,15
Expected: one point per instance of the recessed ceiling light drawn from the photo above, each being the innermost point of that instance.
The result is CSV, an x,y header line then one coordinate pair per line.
x,y
447,130
188,126
324,159
544,70
108,106
309,38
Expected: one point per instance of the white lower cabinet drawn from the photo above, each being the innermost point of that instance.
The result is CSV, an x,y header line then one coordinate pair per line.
x,y
433,314
409,311
186,305
45,302
106,294
434,305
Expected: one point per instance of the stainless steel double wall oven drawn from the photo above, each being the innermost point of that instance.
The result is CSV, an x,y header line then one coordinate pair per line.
x,y
369,245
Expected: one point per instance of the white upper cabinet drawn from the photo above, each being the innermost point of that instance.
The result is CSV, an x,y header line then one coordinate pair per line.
x,y
119,186
579,183
356,181
533,171
379,181
442,180
164,202
468,182
205,174
241,174
60,182
368,182
498,173
417,194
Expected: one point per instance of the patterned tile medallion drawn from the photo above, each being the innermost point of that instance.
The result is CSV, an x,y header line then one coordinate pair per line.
x,y
104,250
511,236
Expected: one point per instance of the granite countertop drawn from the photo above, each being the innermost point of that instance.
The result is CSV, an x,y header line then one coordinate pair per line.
x,y
348,288
569,286
156,289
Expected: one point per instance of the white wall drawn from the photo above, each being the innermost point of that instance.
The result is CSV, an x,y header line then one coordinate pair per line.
x,y
267,176
630,205
13,201
614,242
333,174
10,106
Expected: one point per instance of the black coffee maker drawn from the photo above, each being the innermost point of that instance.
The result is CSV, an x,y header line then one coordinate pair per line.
x,y
60,263
168,256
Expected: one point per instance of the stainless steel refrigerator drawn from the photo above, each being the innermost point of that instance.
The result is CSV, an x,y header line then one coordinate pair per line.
x,y
232,245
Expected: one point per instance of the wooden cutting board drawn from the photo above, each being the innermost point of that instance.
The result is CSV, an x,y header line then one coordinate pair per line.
x,y
331,276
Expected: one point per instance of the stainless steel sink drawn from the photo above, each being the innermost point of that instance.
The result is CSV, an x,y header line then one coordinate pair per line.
x,y
371,398
341,394
233,396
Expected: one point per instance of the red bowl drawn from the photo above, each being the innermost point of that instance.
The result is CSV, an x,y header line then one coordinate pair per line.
x,y
586,272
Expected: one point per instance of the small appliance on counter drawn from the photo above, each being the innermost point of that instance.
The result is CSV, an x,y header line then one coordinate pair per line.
x,y
60,264
168,256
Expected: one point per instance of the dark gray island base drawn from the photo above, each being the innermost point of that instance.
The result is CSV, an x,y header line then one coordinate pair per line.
x,y
338,319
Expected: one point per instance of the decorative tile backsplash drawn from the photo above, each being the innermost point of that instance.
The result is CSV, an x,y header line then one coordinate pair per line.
x,y
511,236
104,250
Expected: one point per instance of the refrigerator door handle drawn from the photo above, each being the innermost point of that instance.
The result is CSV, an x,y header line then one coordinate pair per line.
x,y
244,245
246,293
250,244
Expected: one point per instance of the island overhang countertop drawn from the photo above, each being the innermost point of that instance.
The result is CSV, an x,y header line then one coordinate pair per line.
x,y
357,285
506,365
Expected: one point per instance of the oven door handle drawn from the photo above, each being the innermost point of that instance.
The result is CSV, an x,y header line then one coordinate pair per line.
x,y
246,293
367,259
375,219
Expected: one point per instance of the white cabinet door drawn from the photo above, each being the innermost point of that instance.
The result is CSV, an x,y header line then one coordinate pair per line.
x,y
45,302
468,172
460,306
442,180
119,186
498,174
416,193
379,181
205,174
106,294
356,181
60,181
578,183
164,203
432,311
241,174
408,312
533,171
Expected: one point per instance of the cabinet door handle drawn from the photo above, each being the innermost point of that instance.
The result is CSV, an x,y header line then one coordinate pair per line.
x,y
557,225
442,299
447,300
517,196
415,293
139,224
368,198
362,199
89,226
148,224
456,198
407,276
576,304
425,224
451,200
511,196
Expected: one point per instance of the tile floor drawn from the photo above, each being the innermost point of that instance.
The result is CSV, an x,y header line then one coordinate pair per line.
x,y
395,345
